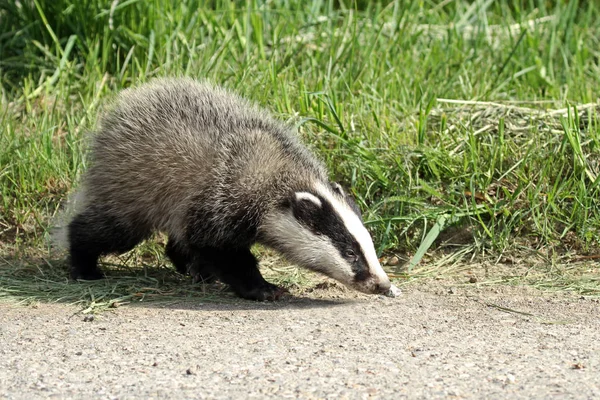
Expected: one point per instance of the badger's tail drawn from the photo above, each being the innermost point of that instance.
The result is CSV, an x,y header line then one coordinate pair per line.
x,y
59,228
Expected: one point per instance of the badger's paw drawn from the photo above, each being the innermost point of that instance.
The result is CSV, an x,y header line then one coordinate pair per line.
x,y
265,292
90,274
202,278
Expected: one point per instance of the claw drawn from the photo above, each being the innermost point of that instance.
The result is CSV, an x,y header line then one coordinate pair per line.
x,y
267,292
277,293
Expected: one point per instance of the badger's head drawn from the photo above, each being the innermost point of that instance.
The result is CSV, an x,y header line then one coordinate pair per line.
x,y
321,229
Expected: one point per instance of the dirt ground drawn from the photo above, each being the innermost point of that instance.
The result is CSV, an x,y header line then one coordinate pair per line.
x,y
431,342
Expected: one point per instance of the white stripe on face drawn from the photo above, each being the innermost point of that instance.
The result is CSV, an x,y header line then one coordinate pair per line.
x,y
357,230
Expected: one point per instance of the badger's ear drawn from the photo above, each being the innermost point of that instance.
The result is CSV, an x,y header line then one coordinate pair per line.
x,y
305,205
307,198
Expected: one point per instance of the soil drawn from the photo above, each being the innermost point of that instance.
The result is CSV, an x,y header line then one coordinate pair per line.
x,y
433,341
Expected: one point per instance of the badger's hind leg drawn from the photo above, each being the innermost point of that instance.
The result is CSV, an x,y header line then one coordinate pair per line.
x,y
95,232
238,268
188,262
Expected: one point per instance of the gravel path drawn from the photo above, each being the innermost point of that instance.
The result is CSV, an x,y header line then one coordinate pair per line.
x,y
424,344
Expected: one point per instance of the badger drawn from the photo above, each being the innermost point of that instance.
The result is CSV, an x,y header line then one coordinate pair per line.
x,y
217,174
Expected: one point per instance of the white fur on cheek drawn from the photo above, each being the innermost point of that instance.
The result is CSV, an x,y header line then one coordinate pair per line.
x,y
297,243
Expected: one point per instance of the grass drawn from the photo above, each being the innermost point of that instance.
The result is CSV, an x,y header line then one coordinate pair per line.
x,y
30,283
464,125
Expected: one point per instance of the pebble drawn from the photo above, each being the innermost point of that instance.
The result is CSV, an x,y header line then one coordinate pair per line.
x,y
393,261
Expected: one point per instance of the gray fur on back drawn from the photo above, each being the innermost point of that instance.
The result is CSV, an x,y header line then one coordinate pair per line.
x,y
175,150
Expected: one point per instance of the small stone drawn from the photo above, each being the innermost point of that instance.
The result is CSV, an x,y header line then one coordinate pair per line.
x,y
189,371
393,261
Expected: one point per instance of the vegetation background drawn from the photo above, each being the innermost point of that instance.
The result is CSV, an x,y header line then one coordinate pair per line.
x,y
465,127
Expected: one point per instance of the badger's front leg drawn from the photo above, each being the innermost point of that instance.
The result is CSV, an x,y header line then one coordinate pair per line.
x,y
239,269
188,262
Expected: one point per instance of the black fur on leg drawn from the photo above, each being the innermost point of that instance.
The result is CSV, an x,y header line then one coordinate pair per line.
x,y
179,256
94,233
187,262
239,269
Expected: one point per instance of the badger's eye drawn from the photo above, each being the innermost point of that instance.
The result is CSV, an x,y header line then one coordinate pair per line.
x,y
350,254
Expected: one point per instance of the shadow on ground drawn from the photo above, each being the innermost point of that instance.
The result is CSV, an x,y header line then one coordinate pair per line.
x,y
31,280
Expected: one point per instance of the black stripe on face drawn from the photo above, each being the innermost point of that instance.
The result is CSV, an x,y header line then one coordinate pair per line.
x,y
324,220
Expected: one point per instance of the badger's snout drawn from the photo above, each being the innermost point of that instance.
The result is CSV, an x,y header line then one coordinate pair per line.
x,y
374,285
383,287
